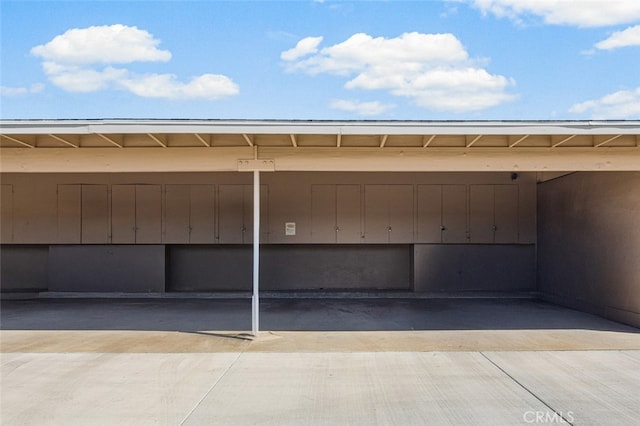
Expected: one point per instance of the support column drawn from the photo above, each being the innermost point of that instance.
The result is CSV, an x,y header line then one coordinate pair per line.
x,y
255,300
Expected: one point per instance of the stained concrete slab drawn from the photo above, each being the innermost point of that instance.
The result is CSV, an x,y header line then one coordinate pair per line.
x,y
469,362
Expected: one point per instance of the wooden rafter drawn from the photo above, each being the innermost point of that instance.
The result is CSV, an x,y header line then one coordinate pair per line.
x,y
606,141
248,139
517,141
157,140
201,139
338,140
18,141
63,140
110,140
566,139
474,140
427,141
383,140
294,142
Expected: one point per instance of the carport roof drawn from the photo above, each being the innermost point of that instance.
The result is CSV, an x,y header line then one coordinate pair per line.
x,y
121,145
314,133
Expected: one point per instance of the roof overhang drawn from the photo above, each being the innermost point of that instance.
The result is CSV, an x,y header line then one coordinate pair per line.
x,y
294,145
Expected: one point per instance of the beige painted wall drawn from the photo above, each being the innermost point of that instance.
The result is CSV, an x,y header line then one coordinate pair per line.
x,y
589,243
209,208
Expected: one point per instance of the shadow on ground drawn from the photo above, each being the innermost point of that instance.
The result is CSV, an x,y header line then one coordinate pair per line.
x,y
195,315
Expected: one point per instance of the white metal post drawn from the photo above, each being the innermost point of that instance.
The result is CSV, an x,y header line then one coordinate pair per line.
x,y
255,300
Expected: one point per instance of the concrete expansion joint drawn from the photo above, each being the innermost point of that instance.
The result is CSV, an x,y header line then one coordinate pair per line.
x,y
529,391
215,383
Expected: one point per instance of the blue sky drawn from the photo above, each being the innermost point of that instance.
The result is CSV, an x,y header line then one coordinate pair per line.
x,y
338,60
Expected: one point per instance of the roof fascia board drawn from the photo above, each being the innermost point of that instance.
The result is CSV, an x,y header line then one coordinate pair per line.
x,y
16,127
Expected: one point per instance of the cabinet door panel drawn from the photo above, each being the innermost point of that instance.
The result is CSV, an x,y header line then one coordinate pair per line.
x,y
6,213
481,214
400,201
429,214
176,219
148,214
231,214
123,214
202,214
95,214
454,213
376,214
506,213
69,214
348,214
323,214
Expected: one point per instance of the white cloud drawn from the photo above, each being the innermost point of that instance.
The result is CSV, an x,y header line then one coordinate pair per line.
x,y
207,86
432,69
20,91
108,44
624,104
625,38
361,108
80,60
581,13
304,47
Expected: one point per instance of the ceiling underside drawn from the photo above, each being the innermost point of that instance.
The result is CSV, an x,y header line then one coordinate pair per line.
x,y
173,140
329,134
214,145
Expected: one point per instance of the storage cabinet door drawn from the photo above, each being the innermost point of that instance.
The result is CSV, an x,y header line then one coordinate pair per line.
x,y
176,219
376,214
481,224
95,214
400,204
323,214
429,219
202,214
6,213
230,214
69,214
506,213
454,213
348,214
148,214
123,214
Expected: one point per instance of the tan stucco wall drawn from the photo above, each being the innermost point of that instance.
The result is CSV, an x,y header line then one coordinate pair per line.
x,y
589,243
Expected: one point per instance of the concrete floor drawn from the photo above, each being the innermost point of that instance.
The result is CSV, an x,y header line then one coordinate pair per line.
x,y
324,361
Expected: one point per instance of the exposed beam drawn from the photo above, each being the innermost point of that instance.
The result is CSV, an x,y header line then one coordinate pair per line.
x,y
517,141
563,140
157,140
427,141
12,139
111,141
606,141
201,139
58,138
338,140
383,140
474,140
358,159
248,139
293,140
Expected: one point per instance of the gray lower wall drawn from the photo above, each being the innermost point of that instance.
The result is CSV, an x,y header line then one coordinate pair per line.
x,y
23,267
589,243
100,268
290,267
460,268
